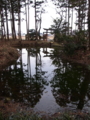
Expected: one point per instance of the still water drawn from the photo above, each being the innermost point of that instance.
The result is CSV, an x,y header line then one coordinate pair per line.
x,y
45,82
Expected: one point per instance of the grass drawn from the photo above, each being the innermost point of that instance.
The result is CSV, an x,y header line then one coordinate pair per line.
x,y
31,116
21,116
7,55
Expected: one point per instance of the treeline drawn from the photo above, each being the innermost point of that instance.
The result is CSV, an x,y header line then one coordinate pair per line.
x,y
73,21
10,13
73,17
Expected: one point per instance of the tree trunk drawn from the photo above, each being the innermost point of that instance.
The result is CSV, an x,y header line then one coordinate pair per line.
x,y
19,21
26,18
13,23
2,25
68,17
72,22
6,21
79,15
35,19
89,21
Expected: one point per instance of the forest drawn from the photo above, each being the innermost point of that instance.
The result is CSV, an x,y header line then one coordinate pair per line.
x,y
72,23
73,17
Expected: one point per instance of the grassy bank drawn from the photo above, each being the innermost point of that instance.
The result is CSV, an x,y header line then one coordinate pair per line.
x,y
7,55
59,116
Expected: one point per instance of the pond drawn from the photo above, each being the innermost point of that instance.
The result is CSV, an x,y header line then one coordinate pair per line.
x,y
45,82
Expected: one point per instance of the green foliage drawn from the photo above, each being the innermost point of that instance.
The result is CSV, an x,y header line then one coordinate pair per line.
x,y
23,116
1,116
58,37
67,117
76,42
60,28
69,46
81,37
62,116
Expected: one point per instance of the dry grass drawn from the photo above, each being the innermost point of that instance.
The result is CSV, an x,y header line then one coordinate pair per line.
x,y
8,108
7,55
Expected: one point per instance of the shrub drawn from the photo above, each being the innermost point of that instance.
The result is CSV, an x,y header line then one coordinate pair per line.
x,y
1,116
69,46
73,43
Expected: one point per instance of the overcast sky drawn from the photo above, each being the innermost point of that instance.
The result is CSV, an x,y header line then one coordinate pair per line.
x,y
47,18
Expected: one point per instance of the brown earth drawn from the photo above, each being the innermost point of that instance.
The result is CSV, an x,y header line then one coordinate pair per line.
x,y
7,107
80,56
8,55
8,52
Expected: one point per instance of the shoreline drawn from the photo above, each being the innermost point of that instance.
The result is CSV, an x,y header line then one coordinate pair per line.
x,y
9,47
9,54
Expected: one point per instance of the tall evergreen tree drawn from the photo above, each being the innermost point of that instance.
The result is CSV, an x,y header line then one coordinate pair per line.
x,y
39,10
89,21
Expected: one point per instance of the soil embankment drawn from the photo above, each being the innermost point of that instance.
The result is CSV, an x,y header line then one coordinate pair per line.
x,y
80,56
26,43
8,55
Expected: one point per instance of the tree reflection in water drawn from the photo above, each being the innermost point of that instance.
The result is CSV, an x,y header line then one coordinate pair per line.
x,y
26,81
19,84
70,84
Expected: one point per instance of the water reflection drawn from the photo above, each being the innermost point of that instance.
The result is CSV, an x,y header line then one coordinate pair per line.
x,y
41,78
18,83
70,84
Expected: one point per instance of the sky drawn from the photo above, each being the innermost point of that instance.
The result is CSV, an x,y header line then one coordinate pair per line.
x,y
47,18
